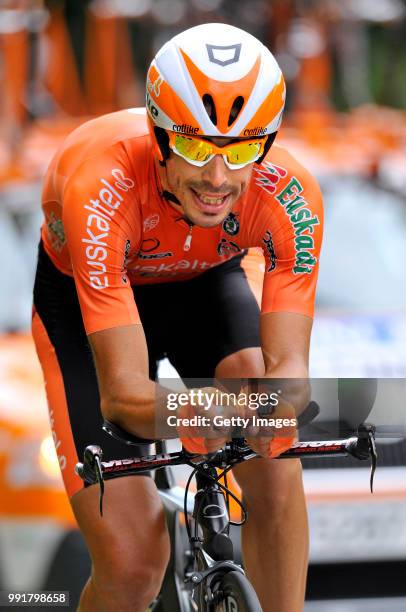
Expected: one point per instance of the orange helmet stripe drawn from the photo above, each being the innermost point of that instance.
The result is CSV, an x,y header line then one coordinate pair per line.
x,y
223,93
269,109
168,100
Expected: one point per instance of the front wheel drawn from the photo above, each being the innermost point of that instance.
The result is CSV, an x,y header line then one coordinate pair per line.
x,y
234,593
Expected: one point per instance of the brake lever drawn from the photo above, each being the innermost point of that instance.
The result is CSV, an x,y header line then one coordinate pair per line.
x,y
92,462
366,438
100,480
374,458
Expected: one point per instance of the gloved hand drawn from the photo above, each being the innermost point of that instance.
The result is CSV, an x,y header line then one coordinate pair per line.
x,y
278,435
201,439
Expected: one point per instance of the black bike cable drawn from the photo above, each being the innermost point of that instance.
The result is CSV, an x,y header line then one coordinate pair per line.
x,y
185,512
230,493
227,490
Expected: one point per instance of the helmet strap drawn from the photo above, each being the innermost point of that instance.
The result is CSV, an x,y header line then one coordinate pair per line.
x,y
268,144
171,197
162,139
162,175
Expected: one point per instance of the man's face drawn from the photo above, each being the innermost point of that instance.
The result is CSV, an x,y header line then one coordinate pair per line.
x,y
207,193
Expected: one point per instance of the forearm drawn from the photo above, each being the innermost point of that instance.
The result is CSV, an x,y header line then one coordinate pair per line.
x,y
149,410
285,339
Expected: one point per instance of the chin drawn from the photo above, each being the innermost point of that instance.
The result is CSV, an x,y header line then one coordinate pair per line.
x,y
205,219
209,223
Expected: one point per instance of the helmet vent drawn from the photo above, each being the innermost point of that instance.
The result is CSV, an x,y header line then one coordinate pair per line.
x,y
235,110
210,107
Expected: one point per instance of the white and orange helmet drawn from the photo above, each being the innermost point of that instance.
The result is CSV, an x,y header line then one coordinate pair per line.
x,y
215,80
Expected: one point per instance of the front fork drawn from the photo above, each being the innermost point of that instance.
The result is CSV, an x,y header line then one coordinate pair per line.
x,y
211,513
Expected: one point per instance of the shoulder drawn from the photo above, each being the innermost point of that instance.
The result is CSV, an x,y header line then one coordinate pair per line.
x,y
107,130
117,141
285,211
280,177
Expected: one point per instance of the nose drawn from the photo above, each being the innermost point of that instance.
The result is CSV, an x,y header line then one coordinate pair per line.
x,y
215,172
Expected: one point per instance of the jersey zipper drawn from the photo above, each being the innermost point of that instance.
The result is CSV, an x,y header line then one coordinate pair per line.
x,y
188,241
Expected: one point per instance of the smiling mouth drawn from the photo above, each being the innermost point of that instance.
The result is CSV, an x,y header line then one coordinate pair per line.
x,y
210,203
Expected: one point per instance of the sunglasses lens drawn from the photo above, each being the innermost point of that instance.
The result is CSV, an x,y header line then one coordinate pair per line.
x,y
192,148
197,150
244,152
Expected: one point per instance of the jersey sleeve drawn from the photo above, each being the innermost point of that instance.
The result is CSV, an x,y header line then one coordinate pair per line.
x,y
290,234
100,223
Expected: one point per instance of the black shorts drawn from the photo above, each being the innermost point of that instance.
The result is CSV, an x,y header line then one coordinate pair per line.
x,y
195,323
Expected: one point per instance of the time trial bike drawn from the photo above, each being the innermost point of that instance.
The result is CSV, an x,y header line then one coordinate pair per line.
x,y
202,574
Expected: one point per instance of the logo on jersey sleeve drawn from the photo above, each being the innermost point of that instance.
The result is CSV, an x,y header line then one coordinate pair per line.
x,y
303,222
126,253
268,176
56,232
268,242
224,55
231,225
101,211
125,260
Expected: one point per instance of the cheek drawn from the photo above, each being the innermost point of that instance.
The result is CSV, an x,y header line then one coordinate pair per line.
x,y
245,178
180,185
177,177
175,183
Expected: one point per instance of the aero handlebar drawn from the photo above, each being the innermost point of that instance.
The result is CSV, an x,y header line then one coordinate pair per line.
x,y
93,470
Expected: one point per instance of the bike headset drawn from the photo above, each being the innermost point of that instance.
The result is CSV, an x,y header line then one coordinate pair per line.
x,y
214,80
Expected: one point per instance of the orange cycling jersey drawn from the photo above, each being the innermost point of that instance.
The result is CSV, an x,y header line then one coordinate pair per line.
x,y
108,225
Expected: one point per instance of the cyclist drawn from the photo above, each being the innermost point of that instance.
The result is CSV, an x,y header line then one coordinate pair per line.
x,y
146,251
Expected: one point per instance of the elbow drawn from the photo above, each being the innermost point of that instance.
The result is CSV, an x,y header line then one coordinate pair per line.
x,y
109,409
286,367
120,395
128,406
113,404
